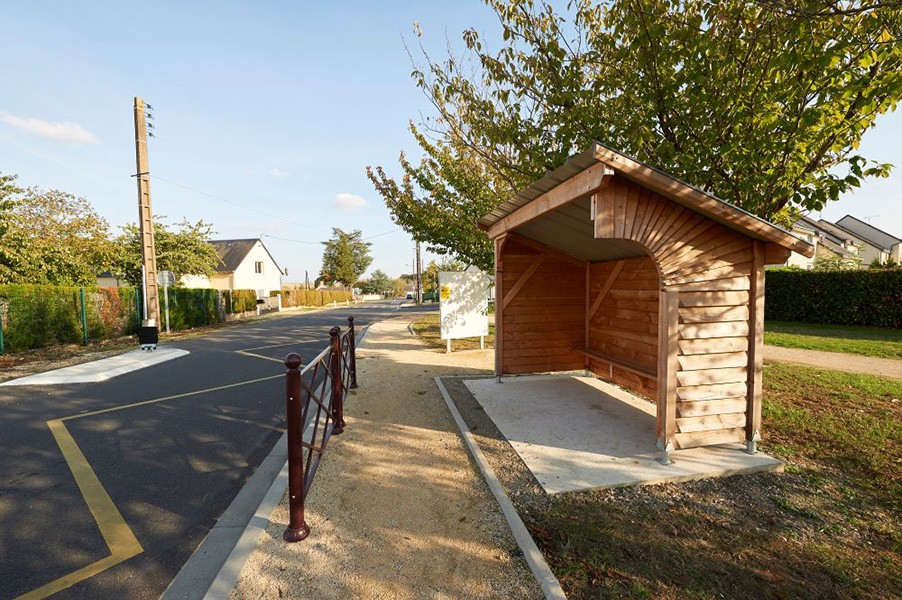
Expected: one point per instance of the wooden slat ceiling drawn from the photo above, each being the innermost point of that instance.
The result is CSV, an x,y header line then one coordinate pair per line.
x,y
571,230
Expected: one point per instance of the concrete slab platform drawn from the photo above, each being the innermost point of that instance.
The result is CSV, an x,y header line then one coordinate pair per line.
x,y
101,370
580,433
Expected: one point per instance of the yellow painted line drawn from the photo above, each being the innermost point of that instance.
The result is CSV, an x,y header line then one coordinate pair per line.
x,y
173,397
251,354
67,581
116,533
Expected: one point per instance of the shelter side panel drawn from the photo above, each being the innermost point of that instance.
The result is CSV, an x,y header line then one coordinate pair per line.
x,y
542,311
622,323
713,359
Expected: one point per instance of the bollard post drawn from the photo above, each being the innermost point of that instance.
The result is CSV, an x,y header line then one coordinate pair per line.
x,y
297,527
352,355
337,404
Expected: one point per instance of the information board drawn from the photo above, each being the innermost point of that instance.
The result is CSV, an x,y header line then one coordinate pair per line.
x,y
464,304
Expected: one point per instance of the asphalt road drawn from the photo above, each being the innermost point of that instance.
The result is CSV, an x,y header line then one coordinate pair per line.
x,y
170,465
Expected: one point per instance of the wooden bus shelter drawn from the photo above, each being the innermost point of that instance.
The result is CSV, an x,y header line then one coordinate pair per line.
x,y
609,265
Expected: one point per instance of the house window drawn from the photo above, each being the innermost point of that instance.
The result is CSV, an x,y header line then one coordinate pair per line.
x,y
258,266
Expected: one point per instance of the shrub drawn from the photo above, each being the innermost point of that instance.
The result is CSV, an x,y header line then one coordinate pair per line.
x,y
872,298
238,301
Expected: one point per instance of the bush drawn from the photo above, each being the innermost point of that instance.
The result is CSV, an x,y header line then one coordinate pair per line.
x,y
36,316
238,301
872,298
192,308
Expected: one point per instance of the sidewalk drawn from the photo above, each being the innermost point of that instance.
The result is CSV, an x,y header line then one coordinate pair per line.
x,y
397,509
836,361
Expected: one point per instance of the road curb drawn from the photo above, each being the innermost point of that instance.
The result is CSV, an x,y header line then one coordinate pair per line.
x,y
551,587
214,567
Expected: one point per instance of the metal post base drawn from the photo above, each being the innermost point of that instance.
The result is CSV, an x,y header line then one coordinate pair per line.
x,y
751,446
664,458
296,534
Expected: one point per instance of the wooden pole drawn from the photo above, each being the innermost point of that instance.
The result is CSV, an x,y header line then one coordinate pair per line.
x,y
756,349
499,309
145,216
668,365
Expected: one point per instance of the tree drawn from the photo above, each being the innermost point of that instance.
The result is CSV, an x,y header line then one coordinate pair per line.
x,y
430,273
50,236
378,283
185,250
345,258
760,103
8,246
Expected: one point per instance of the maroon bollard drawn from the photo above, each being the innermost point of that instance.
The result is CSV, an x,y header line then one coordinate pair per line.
x,y
352,355
297,527
338,409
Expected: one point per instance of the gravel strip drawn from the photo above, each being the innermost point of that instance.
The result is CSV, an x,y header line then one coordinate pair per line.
x,y
397,509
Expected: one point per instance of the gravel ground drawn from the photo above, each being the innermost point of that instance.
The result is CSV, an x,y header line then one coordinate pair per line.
x,y
837,361
397,510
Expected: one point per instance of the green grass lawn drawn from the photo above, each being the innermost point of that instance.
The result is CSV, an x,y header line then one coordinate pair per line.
x,y
866,341
428,328
828,527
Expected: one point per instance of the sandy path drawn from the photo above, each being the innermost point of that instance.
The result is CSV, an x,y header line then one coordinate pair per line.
x,y
836,361
397,509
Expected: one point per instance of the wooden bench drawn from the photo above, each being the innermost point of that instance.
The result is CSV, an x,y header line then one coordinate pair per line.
x,y
623,363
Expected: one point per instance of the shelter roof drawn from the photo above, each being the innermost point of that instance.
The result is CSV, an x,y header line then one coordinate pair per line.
x,y
655,180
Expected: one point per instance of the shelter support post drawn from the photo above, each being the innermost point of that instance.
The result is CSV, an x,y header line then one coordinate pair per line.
x,y
756,348
668,365
499,308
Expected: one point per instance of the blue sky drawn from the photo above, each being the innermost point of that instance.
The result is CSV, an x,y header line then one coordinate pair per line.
x,y
266,114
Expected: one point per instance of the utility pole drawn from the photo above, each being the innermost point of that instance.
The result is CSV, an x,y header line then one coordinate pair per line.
x,y
145,220
419,276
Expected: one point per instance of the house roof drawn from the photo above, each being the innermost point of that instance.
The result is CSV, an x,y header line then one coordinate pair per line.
x,y
659,182
233,252
868,232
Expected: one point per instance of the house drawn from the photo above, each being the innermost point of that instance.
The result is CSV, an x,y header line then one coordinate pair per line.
x,y
829,242
878,245
243,265
849,239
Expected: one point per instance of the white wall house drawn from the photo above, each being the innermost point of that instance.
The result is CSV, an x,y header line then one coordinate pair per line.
x,y
243,265
881,246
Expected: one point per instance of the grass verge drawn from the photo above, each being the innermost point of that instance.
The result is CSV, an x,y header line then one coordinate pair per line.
x,y
866,341
827,528
429,329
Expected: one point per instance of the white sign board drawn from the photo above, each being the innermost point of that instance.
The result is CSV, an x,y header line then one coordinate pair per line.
x,y
464,304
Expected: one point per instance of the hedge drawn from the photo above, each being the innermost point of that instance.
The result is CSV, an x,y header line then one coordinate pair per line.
x,y
36,316
239,301
296,297
191,308
870,297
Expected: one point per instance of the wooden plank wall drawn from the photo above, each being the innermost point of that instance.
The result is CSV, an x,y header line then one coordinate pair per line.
x,y
709,266
543,321
623,322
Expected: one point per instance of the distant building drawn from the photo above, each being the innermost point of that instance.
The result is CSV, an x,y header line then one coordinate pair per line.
x,y
243,265
880,245
849,239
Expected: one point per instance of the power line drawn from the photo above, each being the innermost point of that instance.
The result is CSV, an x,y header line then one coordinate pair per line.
x,y
232,202
284,239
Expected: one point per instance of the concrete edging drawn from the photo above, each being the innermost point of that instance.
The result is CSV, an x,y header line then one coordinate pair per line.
x,y
197,579
551,587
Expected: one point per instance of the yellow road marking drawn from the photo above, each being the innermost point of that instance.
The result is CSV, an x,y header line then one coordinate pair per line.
x,y
173,397
251,354
116,533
